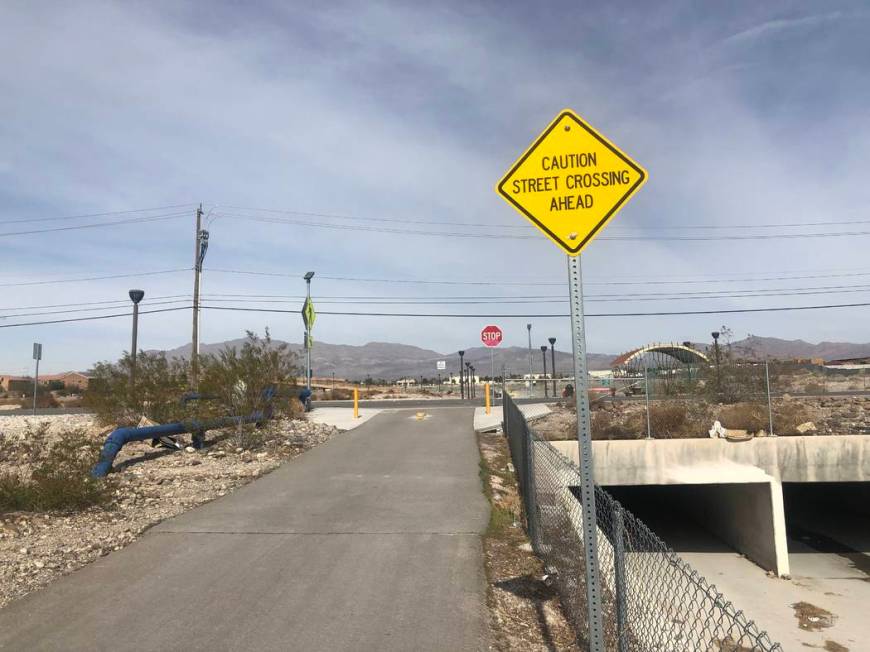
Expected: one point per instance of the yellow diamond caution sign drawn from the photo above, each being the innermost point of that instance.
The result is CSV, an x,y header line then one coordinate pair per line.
x,y
571,182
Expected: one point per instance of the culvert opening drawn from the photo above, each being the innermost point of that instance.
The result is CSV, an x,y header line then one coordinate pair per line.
x,y
830,518
669,511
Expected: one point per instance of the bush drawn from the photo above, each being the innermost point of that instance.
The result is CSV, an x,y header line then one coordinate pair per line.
x,y
605,426
750,417
788,416
233,382
160,382
59,478
237,379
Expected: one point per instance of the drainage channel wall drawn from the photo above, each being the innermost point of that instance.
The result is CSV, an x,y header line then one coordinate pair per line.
x,y
734,489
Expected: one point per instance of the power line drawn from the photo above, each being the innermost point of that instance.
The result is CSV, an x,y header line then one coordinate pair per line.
x,y
95,309
546,315
94,278
90,303
460,316
691,281
489,225
504,236
87,215
96,225
94,318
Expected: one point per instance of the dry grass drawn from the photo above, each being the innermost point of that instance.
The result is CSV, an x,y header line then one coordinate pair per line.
x,y
750,417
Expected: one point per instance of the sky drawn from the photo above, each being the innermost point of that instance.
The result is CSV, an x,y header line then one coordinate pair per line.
x,y
363,141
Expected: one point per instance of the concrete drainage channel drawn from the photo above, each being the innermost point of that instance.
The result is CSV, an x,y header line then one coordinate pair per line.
x,y
744,514
736,489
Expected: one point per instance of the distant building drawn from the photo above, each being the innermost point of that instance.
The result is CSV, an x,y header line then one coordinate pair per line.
x,y
15,383
69,380
849,363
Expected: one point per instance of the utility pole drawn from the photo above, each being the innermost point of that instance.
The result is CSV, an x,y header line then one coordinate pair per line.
x,y
461,378
544,358
200,245
552,341
529,328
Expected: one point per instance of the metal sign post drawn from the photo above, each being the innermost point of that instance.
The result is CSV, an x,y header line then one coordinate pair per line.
x,y
584,438
570,183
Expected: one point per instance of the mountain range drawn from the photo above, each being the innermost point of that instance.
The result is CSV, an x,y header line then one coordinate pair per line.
x,y
391,361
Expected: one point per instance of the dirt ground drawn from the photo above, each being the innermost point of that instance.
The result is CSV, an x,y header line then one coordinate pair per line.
x,y
150,485
840,415
525,613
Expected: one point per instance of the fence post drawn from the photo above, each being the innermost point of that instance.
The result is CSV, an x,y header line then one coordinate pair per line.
x,y
619,578
769,402
530,489
646,391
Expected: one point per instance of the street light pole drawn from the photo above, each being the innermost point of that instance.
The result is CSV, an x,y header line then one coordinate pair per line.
x,y
461,377
473,388
135,296
529,328
552,341
544,358
37,355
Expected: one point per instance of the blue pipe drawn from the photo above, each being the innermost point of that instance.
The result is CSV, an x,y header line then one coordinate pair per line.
x,y
116,440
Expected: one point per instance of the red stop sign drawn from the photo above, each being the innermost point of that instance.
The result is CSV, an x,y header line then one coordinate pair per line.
x,y
490,336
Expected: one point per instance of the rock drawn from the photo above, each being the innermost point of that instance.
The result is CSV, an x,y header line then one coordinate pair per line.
x,y
39,564
806,427
262,456
218,454
189,449
246,456
195,462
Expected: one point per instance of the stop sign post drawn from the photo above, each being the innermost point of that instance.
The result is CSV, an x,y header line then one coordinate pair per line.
x,y
491,337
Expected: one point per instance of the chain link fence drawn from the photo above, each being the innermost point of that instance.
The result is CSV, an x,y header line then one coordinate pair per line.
x,y
652,600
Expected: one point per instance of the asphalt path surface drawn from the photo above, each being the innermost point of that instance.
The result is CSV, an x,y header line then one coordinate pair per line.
x,y
371,541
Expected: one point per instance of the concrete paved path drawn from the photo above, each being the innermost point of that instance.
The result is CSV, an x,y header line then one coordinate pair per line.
x,y
368,542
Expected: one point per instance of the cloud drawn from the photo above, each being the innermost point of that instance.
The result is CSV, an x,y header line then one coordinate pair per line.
x,y
780,25
409,112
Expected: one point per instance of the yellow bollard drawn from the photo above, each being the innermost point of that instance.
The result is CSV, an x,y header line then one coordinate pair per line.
x,y
355,403
486,392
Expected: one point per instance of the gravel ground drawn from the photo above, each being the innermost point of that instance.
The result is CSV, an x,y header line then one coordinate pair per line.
x,y
151,484
835,415
525,611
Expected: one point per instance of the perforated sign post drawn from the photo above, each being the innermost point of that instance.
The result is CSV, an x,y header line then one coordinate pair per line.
x,y
570,183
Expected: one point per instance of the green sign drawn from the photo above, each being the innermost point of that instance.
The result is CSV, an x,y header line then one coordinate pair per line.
x,y
308,314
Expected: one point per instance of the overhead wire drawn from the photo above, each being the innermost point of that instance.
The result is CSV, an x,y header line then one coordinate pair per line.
x,y
97,225
89,215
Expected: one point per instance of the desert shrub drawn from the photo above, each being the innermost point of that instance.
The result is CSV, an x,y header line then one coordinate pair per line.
x,y
675,420
160,382
59,477
787,416
44,397
237,378
605,425
751,417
